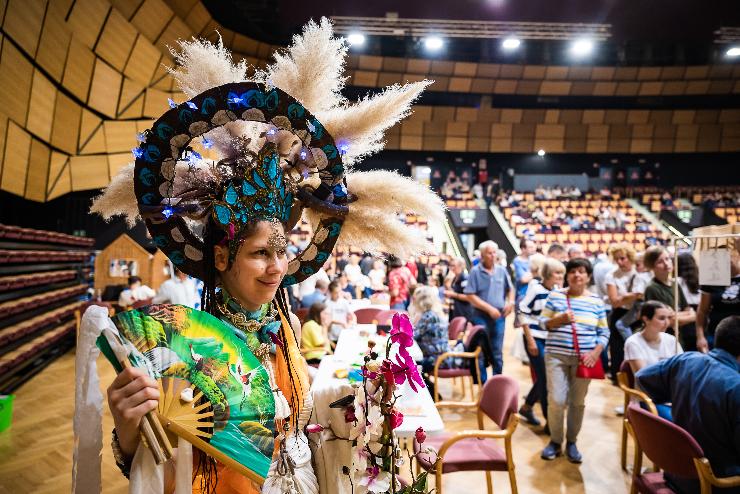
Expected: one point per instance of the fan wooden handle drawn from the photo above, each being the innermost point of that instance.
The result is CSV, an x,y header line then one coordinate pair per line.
x,y
153,432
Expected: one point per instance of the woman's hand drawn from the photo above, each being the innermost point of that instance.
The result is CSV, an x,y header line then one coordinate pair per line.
x,y
131,396
532,347
562,319
590,359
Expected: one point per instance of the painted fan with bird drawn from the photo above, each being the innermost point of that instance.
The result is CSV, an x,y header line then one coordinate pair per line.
x,y
213,391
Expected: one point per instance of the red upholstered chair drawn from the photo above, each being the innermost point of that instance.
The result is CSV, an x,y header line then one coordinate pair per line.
x,y
476,450
457,326
626,381
465,373
384,317
367,315
674,451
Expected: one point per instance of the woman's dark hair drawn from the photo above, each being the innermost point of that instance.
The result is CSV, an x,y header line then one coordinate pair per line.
x,y
689,271
394,262
314,312
579,262
650,307
133,279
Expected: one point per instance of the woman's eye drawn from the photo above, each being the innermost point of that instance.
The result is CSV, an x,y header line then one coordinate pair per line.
x,y
261,252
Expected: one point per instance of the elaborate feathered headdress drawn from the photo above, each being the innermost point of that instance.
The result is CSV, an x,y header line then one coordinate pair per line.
x,y
285,139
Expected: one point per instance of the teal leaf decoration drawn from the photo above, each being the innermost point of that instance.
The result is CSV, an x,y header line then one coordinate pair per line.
x,y
223,214
254,98
330,151
272,166
248,189
231,196
164,131
258,180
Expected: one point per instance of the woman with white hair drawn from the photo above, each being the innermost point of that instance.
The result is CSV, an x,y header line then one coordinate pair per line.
x,y
430,328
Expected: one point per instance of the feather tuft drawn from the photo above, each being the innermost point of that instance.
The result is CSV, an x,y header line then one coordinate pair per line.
x,y
119,199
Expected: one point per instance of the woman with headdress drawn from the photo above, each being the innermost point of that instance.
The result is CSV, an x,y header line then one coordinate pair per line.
x,y
283,141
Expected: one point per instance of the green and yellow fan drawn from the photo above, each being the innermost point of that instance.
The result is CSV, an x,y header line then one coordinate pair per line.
x,y
213,391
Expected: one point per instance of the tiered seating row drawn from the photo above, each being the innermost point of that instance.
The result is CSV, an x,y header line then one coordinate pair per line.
x,y
22,329
34,256
731,214
17,282
17,306
28,351
42,236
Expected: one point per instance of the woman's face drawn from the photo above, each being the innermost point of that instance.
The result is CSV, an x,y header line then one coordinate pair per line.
x,y
660,321
663,265
555,279
326,317
578,278
623,261
258,268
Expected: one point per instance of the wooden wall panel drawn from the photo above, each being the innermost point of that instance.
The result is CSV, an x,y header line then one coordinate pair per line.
x,y
52,51
15,163
120,137
22,23
198,17
152,18
79,68
131,101
127,8
16,74
86,20
143,61
41,108
90,124
116,41
38,171
66,126
63,182
89,172
3,138
57,163
175,30
118,161
105,89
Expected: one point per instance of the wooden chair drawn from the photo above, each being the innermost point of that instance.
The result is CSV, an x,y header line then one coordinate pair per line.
x,y
384,317
626,382
466,373
674,451
475,450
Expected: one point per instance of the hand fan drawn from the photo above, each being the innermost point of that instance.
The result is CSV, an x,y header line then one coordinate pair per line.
x,y
213,391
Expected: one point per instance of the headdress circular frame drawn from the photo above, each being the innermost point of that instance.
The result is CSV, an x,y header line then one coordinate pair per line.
x,y
162,147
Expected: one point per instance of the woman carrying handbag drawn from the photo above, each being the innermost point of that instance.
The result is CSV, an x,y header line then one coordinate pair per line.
x,y
577,334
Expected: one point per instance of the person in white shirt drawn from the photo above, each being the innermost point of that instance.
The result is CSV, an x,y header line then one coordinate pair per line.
x,y
135,292
377,277
178,290
652,344
341,313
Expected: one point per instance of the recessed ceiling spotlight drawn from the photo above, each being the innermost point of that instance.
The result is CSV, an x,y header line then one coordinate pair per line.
x,y
356,39
581,47
541,153
433,43
733,52
511,43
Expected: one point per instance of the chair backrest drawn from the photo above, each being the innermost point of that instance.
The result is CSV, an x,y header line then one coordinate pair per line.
x,y
384,317
468,339
625,367
367,315
499,399
667,445
457,326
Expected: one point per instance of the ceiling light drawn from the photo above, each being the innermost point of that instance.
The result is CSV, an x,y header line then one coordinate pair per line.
x,y
581,47
433,43
733,52
541,153
511,43
356,39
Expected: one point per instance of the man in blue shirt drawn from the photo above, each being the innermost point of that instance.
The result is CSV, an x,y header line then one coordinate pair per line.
x,y
705,392
318,295
490,292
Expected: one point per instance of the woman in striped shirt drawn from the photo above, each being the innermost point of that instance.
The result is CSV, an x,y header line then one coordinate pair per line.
x,y
588,314
548,274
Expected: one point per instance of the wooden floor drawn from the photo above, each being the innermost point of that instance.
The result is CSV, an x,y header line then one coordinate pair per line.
x,y
36,452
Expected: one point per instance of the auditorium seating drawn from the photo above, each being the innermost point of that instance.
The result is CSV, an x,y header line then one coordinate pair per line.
x,y
44,277
600,221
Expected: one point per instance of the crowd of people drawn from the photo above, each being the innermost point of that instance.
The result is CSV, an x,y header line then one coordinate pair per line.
x,y
573,312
